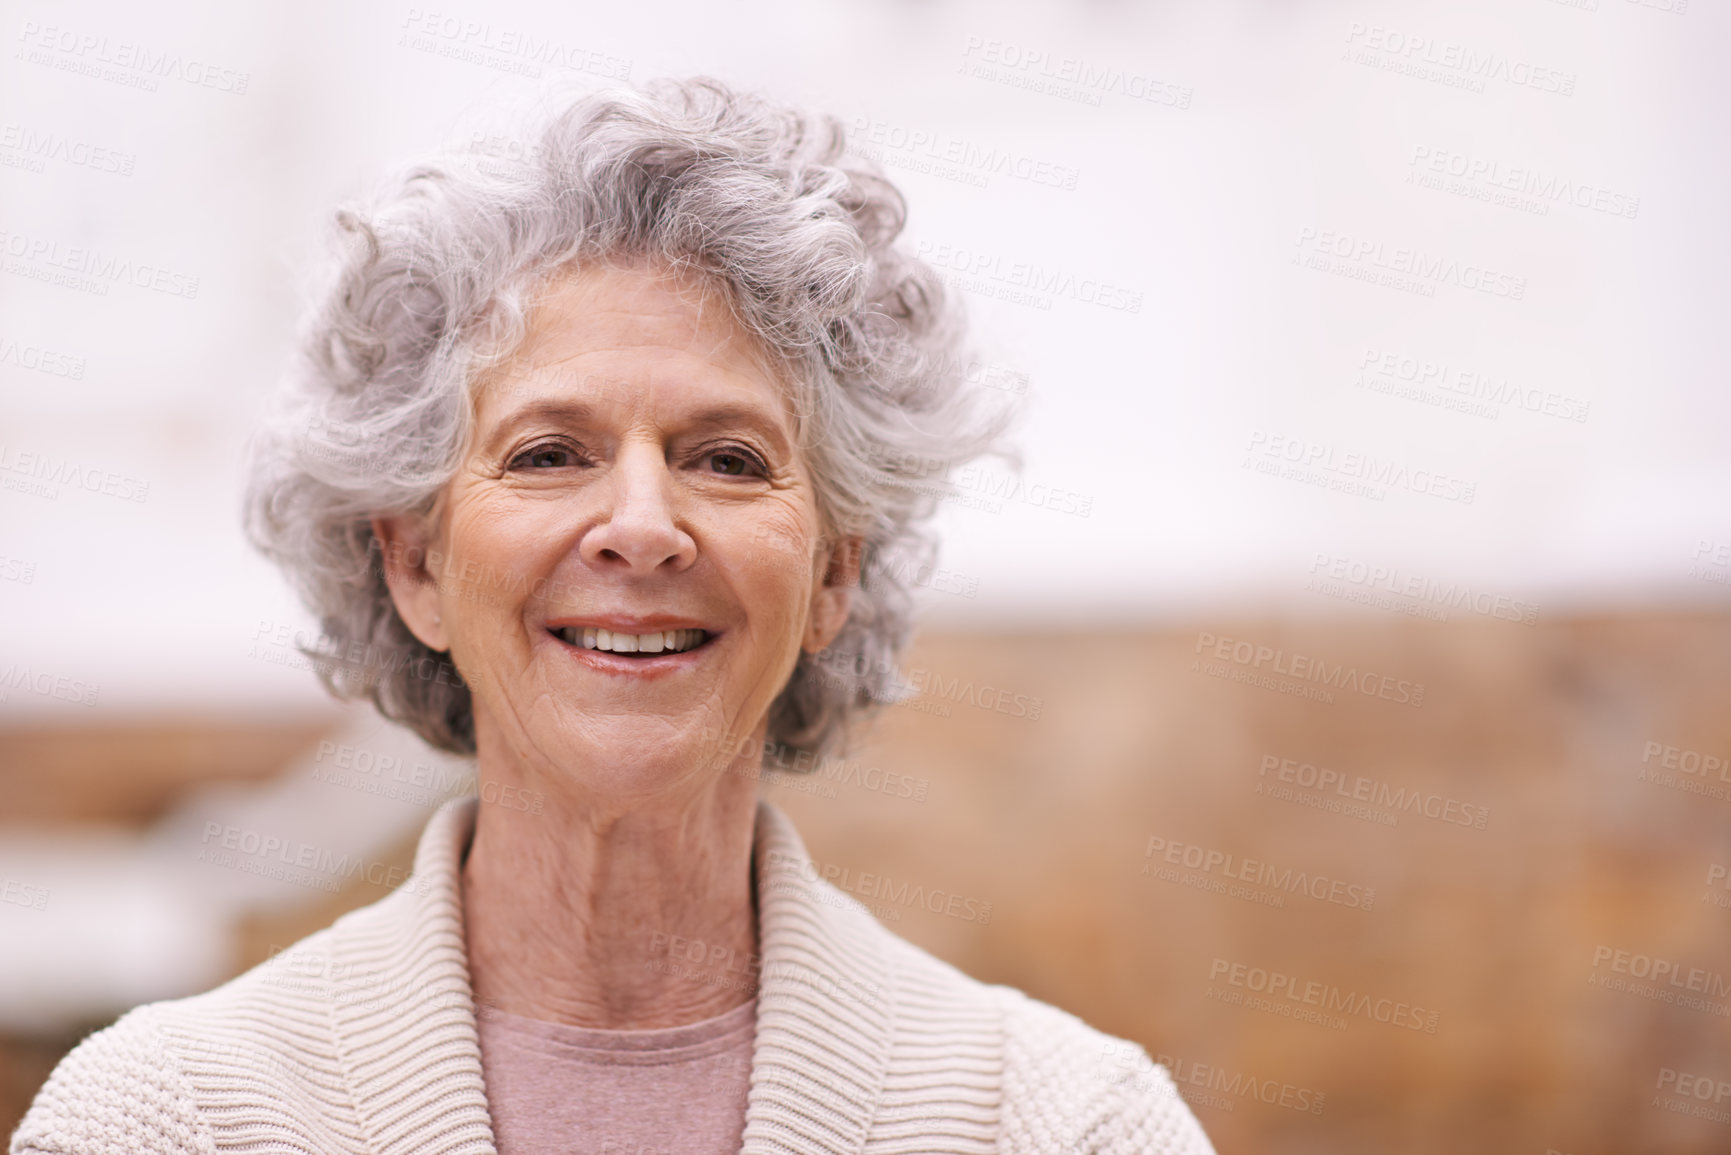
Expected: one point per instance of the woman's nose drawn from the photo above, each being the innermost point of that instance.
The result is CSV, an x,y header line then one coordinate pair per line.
x,y
639,530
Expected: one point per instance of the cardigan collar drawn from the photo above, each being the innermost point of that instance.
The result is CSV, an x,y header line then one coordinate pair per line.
x,y
824,1013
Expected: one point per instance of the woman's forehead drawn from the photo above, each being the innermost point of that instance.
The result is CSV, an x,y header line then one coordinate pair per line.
x,y
639,305
633,335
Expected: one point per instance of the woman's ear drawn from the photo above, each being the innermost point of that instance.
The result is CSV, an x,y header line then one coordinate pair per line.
x,y
832,598
409,564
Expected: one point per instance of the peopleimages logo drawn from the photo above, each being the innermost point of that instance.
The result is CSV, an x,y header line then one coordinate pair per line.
x,y
1305,668
41,360
92,269
15,569
1428,58
846,668
1068,77
36,148
422,784
1545,188
1394,800
51,471
1289,991
505,49
23,894
1717,873
872,137
1213,1085
19,676
1368,257
1686,769
1277,454
1390,579
1661,980
300,863
879,888
136,65
1257,873
1026,276
1469,385
1684,1086
777,758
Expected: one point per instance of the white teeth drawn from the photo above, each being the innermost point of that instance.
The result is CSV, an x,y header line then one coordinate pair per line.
x,y
661,641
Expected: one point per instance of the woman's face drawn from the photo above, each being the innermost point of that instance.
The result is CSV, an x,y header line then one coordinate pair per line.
x,y
629,561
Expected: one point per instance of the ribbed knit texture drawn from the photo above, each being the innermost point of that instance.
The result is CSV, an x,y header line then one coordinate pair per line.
x,y
362,1038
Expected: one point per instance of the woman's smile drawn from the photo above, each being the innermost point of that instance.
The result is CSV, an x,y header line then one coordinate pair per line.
x,y
651,647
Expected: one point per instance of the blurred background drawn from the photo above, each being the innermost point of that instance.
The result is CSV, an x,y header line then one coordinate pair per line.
x,y
1362,606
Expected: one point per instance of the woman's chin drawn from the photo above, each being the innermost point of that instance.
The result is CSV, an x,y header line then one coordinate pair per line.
x,y
632,761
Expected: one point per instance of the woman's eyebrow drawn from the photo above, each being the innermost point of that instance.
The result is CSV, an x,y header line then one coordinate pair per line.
x,y
735,415
723,415
558,410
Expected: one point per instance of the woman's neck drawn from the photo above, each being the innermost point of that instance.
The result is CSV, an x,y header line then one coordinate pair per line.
x,y
592,914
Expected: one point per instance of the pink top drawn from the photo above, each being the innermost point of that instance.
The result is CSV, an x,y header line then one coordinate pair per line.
x,y
556,1088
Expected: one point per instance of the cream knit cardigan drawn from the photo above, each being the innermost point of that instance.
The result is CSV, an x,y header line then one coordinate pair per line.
x,y
361,1038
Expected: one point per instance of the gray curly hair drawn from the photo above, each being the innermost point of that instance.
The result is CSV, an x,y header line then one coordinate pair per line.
x,y
433,284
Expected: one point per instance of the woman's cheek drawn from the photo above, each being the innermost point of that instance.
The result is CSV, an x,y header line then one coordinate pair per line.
x,y
783,579
502,551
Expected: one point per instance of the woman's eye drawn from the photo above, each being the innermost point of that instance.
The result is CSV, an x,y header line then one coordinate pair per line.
x,y
544,457
734,463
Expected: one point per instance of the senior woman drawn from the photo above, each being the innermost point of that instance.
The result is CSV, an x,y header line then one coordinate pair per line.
x,y
590,459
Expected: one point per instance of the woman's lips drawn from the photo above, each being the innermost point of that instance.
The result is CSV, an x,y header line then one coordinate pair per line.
x,y
620,642
604,649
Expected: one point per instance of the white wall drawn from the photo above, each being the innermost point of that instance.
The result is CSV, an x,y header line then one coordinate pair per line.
x,y
1266,125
